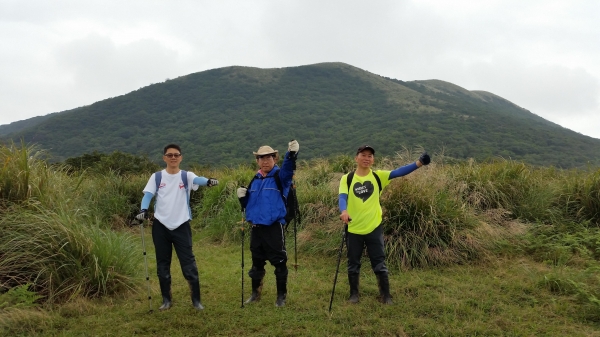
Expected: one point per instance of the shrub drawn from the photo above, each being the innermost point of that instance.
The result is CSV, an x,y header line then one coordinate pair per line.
x,y
113,198
343,164
527,193
62,256
425,227
22,173
580,196
116,162
217,211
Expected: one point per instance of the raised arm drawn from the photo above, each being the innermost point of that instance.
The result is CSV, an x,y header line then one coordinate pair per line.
x,y
289,163
404,170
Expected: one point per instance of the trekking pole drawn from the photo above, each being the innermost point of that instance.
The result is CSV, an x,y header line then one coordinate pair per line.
x,y
295,247
296,214
337,270
146,266
295,219
243,235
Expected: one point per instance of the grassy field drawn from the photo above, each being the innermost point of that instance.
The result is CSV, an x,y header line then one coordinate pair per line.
x,y
497,248
507,297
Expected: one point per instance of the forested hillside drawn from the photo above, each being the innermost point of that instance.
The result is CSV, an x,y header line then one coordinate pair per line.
x,y
220,116
22,125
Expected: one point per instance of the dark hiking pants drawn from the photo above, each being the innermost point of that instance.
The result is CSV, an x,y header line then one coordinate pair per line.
x,y
180,239
375,249
267,243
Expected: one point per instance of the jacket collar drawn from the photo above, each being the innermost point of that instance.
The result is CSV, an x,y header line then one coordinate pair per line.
x,y
270,174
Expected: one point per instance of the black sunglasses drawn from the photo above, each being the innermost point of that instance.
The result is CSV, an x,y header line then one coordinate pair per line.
x,y
171,155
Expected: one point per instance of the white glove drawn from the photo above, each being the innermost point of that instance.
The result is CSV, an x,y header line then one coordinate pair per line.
x,y
241,192
212,182
293,146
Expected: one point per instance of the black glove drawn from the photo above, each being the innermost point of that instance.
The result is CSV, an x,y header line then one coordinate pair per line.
x,y
212,182
143,215
424,159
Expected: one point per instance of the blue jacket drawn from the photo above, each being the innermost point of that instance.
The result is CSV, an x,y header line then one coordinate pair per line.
x,y
264,205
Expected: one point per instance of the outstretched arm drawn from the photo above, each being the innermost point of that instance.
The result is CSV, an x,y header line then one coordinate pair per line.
x,y
404,170
201,181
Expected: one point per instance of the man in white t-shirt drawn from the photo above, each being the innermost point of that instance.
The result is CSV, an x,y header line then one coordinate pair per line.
x,y
171,225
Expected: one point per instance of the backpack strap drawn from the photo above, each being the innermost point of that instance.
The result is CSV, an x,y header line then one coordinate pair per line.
x,y
280,187
378,181
157,180
184,179
350,176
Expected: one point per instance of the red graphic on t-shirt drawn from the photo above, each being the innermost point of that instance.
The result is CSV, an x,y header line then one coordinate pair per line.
x,y
181,186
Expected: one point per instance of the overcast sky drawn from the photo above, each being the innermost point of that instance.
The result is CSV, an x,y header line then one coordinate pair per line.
x,y
542,55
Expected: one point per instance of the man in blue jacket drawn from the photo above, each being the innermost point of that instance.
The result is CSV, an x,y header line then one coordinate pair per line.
x,y
265,208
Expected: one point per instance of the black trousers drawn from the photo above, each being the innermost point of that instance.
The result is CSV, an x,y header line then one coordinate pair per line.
x,y
267,243
375,249
180,239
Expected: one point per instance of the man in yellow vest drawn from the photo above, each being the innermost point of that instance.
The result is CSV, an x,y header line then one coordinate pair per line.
x,y
361,210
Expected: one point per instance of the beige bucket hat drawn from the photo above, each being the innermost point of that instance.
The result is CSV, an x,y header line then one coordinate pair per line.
x,y
265,149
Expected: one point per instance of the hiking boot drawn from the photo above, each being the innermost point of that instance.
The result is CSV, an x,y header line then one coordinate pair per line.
x,y
165,290
281,292
195,292
353,280
280,302
197,305
166,305
384,288
256,291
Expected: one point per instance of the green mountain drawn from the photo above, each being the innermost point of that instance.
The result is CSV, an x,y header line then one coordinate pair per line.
x,y
14,127
220,116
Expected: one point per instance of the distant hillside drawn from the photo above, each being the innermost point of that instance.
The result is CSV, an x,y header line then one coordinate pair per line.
x,y
220,116
22,125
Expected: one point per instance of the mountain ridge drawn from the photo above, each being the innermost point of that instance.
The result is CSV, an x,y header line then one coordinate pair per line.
x,y
220,116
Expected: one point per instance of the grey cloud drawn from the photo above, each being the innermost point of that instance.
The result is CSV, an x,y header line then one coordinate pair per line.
x,y
98,65
549,88
539,54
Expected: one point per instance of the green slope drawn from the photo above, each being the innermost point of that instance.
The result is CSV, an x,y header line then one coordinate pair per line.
x,y
17,126
220,116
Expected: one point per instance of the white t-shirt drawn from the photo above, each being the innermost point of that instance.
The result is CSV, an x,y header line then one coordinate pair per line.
x,y
171,202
